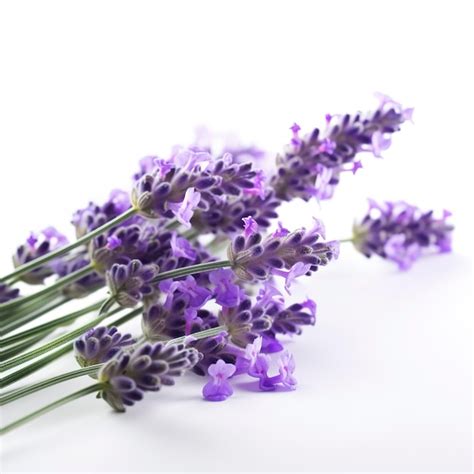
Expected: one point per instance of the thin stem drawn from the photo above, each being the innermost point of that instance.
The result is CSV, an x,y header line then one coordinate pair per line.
x,y
21,346
33,367
106,305
22,269
69,318
343,241
29,389
62,401
171,225
59,341
192,269
51,289
38,364
21,319
199,335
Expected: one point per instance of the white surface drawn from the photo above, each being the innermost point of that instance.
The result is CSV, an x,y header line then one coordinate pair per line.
x,y
87,88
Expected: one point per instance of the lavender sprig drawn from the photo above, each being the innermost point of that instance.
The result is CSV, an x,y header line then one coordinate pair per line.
x,y
290,255
311,165
126,378
401,232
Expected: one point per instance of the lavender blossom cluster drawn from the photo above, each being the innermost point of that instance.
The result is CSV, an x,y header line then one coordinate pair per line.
x,y
401,232
177,200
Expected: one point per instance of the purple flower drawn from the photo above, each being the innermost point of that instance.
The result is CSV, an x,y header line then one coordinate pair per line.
x,y
226,214
226,291
37,245
296,140
85,285
297,270
147,243
244,322
113,242
126,377
258,188
195,184
356,166
213,349
286,369
380,143
399,252
218,388
8,293
184,210
250,226
131,283
190,317
259,369
258,366
327,146
182,248
281,231
194,294
180,314
255,259
94,215
100,345
146,165
311,165
291,319
401,232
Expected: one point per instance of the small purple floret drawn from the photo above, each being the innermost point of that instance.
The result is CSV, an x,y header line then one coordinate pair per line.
x,y
218,388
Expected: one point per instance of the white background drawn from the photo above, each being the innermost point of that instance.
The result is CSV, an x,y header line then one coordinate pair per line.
x,y
87,88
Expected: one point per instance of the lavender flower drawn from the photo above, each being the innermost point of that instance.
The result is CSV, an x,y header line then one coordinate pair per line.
x,y
299,252
193,295
191,180
219,388
213,349
147,243
37,245
401,232
226,215
85,285
250,226
131,283
100,345
178,315
311,165
245,322
287,321
226,291
181,247
94,215
8,293
257,365
148,368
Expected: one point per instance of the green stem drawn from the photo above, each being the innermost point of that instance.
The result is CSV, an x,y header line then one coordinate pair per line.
x,y
64,250
343,241
59,341
33,367
106,305
62,401
21,346
38,364
192,269
49,290
29,389
18,320
69,318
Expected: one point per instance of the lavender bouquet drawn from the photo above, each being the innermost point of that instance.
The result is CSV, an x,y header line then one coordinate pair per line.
x,y
197,252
